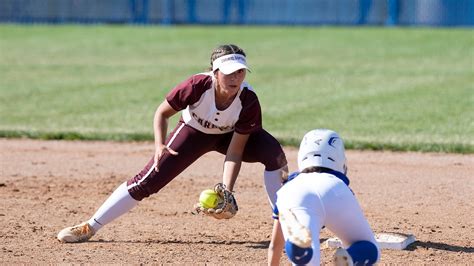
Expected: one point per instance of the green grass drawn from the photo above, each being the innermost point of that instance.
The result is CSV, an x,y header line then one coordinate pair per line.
x,y
380,88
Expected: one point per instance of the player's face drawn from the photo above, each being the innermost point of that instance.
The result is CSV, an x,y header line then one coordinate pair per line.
x,y
230,84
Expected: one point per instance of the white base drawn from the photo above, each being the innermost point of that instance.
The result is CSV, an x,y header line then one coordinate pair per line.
x,y
385,240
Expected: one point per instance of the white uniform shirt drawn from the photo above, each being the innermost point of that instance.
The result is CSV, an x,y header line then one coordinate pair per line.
x,y
196,98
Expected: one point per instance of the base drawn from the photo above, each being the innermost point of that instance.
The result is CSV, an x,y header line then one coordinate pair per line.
x,y
385,240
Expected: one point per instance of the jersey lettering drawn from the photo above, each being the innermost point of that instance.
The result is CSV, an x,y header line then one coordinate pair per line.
x,y
207,124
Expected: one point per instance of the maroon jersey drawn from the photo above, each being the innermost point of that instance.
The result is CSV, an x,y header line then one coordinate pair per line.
x,y
196,98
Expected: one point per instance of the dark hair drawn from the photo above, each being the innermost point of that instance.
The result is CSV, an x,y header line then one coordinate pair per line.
x,y
315,169
225,49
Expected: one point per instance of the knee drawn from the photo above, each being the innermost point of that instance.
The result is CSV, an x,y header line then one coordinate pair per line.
x,y
364,252
139,191
298,255
275,161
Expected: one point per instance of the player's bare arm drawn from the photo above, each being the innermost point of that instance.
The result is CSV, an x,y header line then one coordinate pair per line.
x,y
233,159
160,127
277,243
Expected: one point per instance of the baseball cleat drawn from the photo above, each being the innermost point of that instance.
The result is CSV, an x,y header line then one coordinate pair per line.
x,y
342,258
77,233
298,234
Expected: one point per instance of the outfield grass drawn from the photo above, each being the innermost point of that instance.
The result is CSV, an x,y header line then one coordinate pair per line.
x,y
380,88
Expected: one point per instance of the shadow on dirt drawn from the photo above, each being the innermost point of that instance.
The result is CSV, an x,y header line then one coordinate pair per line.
x,y
441,246
249,244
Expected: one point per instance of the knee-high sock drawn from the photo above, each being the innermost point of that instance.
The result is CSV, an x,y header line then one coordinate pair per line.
x,y
273,180
117,204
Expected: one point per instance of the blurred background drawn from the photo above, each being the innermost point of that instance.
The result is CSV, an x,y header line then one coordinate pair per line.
x,y
385,74
247,12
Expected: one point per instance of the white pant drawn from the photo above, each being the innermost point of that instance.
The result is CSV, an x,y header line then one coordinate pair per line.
x,y
321,199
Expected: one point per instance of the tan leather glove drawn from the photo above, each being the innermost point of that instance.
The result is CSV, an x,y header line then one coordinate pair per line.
x,y
226,207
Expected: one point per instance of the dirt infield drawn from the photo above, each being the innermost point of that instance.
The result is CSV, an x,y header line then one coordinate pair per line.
x,y
47,185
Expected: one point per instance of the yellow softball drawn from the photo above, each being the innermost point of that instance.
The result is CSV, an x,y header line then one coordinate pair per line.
x,y
208,198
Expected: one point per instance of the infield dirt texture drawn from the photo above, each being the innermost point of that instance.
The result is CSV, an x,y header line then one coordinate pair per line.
x,y
47,185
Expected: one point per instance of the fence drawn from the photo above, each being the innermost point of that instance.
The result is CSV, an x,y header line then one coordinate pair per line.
x,y
248,12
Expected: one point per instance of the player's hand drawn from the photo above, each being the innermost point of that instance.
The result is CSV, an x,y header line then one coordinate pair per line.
x,y
159,151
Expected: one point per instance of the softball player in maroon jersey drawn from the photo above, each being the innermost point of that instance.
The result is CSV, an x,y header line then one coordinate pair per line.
x,y
220,112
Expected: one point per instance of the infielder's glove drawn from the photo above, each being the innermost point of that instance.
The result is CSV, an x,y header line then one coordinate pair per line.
x,y
226,207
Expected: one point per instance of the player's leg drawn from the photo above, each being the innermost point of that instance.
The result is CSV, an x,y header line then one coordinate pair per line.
x,y
358,253
264,148
272,181
301,217
190,145
188,142
301,229
345,218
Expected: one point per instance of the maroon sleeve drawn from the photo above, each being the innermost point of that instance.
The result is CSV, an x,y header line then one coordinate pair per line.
x,y
250,118
189,91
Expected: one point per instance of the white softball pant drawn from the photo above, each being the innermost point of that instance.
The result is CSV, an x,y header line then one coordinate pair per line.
x,y
321,199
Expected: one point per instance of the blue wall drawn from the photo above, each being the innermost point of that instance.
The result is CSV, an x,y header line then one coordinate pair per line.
x,y
250,12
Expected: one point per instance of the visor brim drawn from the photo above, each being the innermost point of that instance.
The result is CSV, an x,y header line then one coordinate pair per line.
x,y
227,69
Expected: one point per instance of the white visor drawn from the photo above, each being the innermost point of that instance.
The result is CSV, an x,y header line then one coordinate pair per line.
x,y
230,63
